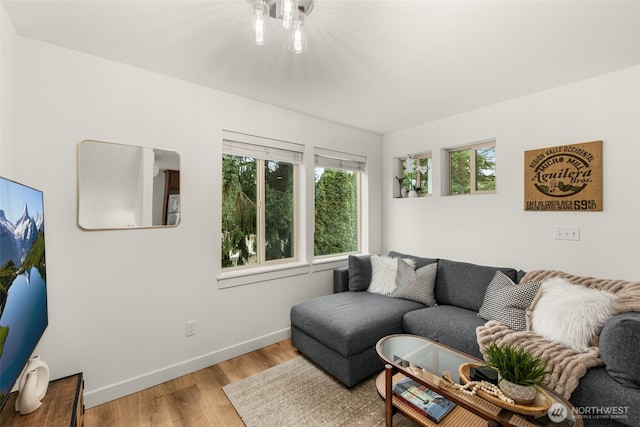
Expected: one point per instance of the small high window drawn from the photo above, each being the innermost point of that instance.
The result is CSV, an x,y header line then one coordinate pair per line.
x,y
472,169
416,175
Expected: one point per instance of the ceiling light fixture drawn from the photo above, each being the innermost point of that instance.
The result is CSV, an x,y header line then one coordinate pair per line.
x,y
290,14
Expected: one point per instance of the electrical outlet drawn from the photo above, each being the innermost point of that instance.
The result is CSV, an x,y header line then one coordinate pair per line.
x,y
191,328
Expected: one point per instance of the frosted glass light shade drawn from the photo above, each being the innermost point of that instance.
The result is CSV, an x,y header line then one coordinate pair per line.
x,y
298,36
287,10
259,24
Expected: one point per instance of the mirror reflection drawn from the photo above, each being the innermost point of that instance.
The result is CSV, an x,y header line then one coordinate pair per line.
x,y
127,186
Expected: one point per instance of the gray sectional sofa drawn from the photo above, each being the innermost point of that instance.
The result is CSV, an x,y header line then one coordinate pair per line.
x,y
339,332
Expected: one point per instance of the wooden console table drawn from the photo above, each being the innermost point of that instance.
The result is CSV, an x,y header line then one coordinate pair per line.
x,y
63,405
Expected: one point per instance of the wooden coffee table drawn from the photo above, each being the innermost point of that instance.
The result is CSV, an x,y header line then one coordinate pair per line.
x,y
425,360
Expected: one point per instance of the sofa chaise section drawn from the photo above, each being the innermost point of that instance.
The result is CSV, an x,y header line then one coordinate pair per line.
x,y
337,331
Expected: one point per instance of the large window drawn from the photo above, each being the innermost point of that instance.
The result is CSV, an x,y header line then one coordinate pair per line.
x,y
337,202
472,169
259,202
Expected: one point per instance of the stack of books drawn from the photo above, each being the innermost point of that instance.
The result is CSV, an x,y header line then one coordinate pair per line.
x,y
425,400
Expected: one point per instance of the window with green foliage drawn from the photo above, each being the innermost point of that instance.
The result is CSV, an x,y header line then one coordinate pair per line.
x,y
337,203
258,206
472,169
416,173
239,211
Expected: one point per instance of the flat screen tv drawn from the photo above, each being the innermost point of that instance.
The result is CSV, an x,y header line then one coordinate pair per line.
x,y
23,293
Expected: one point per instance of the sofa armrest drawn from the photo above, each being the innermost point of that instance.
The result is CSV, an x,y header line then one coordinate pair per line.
x,y
340,280
620,348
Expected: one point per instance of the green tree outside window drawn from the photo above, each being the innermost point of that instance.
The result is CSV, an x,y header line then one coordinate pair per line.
x,y
472,170
336,212
251,234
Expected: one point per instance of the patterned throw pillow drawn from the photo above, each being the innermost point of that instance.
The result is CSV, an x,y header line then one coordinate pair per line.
x,y
416,285
507,302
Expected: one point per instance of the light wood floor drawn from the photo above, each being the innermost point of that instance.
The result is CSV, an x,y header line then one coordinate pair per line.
x,y
194,400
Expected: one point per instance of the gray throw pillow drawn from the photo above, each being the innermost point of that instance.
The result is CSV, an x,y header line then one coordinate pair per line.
x,y
507,302
464,284
359,272
416,285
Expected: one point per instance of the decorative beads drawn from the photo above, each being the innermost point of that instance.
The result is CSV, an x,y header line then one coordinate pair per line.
x,y
472,387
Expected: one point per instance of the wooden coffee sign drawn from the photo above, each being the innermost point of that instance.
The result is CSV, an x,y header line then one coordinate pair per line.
x,y
564,178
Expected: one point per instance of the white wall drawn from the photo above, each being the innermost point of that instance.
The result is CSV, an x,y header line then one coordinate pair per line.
x,y
3,61
119,300
7,41
494,229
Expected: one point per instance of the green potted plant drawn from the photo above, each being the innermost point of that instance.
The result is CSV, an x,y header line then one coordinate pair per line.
x,y
519,372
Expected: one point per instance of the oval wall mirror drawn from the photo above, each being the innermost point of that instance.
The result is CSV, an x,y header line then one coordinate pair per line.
x,y
127,186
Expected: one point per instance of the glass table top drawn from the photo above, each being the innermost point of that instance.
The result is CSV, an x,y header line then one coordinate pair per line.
x,y
408,351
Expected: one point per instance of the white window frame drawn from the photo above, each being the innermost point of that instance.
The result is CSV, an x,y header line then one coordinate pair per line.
x,y
263,150
446,178
331,159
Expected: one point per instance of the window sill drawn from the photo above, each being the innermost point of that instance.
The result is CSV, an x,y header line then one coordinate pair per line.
x,y
419,196
330,262
261,274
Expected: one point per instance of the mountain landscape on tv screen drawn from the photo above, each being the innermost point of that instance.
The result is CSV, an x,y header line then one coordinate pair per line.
x,y
23,288
16,240
21,248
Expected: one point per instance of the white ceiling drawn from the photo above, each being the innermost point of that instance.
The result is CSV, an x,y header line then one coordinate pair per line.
x,y
376,65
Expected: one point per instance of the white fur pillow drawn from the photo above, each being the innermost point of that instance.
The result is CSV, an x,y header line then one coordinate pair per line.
x,y
383,275
570,314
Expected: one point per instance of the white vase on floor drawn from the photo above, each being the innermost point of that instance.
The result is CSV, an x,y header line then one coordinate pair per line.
x,y
413,193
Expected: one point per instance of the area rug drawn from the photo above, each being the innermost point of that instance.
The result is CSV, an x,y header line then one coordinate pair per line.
x,y
299,393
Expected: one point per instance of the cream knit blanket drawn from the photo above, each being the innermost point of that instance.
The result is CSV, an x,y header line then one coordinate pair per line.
x,y
566,366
